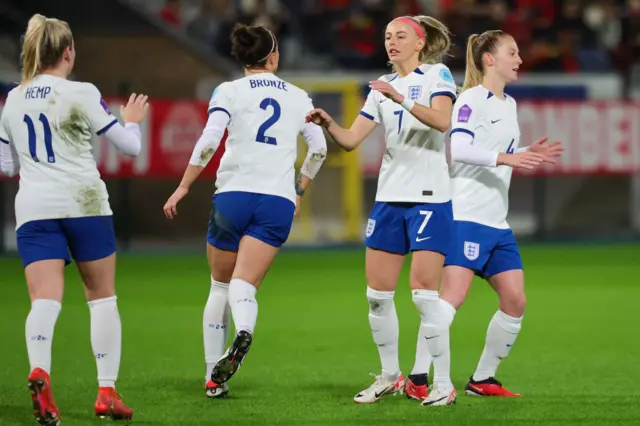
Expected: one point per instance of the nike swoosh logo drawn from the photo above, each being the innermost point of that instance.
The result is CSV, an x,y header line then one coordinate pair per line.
x,y
432,337
418,239
384,100
509,346
378,395
495,121
438,400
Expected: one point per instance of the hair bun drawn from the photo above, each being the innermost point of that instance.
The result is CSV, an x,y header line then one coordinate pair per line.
x,y
244,36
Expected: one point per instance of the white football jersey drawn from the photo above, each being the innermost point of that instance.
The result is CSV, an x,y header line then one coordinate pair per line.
x,y
414,167
481,194
266,116
50,123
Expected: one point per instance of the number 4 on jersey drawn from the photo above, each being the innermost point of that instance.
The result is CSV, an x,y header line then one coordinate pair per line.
x,y
511,149
48,140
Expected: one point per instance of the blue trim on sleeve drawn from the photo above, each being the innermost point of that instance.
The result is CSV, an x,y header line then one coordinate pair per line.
x,y
107,127
4,141
367,115
458,129
214,109
449,94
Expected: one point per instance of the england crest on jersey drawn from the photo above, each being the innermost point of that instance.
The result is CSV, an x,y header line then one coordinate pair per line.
x,y
371,225
471,250
415,92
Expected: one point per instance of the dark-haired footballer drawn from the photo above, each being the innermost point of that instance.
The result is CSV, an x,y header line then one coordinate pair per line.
x,y
256,194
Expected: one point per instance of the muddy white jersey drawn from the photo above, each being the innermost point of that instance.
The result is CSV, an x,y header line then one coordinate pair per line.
x,y
49,123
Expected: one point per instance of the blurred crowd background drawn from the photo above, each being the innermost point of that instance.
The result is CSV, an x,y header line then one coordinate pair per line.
x,y
554,35
579,83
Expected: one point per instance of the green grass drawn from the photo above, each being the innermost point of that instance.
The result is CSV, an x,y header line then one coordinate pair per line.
x,y
576,360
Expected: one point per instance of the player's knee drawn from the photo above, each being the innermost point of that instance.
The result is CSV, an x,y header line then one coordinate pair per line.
x,y
513,304
419,281
454,297
380,302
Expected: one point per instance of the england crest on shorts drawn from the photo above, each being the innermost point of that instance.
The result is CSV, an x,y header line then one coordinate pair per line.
x,y
371,225
415,92
471,250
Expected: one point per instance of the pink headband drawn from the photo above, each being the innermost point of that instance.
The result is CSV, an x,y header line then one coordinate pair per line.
x,y
413,24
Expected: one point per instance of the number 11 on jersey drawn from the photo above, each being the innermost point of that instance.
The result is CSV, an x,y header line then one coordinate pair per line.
x,y
48,140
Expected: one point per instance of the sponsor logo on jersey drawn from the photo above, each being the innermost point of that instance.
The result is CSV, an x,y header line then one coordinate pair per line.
x,y
446,75
471,250
464,113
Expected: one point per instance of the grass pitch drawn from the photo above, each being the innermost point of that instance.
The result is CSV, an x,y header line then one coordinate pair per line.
x,y
577,360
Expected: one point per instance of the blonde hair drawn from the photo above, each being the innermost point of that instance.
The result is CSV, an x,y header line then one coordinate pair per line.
x,y
437,39
43,45
477,46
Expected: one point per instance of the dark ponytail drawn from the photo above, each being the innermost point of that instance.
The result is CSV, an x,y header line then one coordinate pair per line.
x,y
251,46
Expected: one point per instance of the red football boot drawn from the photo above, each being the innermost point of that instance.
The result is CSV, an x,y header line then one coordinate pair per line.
x,y
109,404
214,390
45,409
488,387
417,386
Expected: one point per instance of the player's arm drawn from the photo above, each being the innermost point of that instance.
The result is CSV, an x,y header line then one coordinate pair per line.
x,y
206,146
442,94
9,164
128,138
202,153
466,121
316,154
364,124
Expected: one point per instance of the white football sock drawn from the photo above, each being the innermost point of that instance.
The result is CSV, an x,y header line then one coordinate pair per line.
x,y
39,328
423,357
106,339
215,324
433,327
243,303
383,320
501,335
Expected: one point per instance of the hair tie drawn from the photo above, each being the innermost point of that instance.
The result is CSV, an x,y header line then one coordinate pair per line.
x,y
413,24
273,44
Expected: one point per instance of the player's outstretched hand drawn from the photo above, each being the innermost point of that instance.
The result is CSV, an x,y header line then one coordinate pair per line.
x,y
320,117
136,109
521,160
387,90
170,208
549,151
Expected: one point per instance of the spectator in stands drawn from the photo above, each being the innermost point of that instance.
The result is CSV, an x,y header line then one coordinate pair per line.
x,y
631,30
171,13
206,25
357,40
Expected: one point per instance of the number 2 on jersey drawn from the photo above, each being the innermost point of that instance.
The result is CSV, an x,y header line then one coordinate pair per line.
x,y
48,140
261,136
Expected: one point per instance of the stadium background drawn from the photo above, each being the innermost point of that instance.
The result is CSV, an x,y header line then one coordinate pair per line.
x,y
580,83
